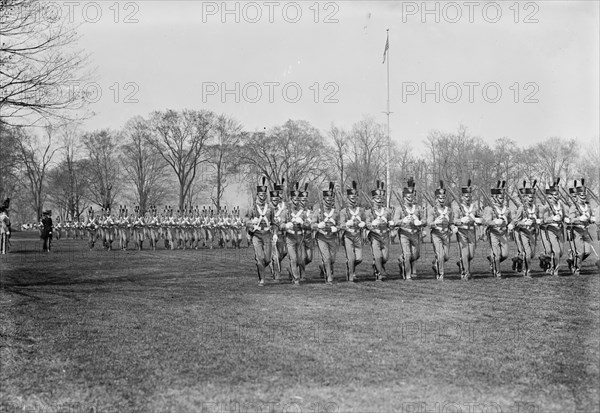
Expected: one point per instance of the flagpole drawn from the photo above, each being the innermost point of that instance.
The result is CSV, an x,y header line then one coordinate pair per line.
x,y
387,166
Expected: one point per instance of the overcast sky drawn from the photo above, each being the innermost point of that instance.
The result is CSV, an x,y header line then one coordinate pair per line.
x,y
542,57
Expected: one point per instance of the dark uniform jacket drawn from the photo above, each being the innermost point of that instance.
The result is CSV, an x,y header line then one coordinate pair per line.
x,y
46,227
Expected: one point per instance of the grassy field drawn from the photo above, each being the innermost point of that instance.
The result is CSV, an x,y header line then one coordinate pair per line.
x,y
190,330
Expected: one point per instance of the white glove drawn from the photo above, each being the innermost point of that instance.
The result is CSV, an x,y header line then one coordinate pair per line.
x,y
275,237
465,220
334,229
406,220
321,225
583,218
417,222
289,225
538,221
527,222
592,219
438,221
511,227
478,221
391,223
556,218
299,221
454,230
567,220
498,221
255,221
361,224
349,223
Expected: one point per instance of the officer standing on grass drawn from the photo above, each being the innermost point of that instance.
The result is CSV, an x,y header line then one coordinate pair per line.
x,y
46,227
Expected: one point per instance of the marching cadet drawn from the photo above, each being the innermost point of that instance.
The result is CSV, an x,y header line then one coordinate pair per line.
x,y
259,229
139,228
579,219
298,229
352,221
526,224
497,217
551,229
237,227
379,222
326,227
92,225
466,216
58,228
409,223
440,223
279,247
46,233
154,227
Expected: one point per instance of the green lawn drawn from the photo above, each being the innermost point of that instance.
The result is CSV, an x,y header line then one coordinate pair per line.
x,y
191,331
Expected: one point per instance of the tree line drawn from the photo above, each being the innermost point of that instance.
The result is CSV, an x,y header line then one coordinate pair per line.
x,y
190,157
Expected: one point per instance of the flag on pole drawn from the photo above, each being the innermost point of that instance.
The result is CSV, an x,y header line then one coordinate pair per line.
x,y
387,46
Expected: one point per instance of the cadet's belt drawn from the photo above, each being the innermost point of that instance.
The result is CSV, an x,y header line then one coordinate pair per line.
x,y
408,230
295,232
466,226
379,231
352,230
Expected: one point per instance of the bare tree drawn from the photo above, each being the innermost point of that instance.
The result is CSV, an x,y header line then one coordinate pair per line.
x,y
368,143
9,160
556,158
75,179
144,166
222,155
180,138
35,156
339,154
41,72
102,166
589,165
294,151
